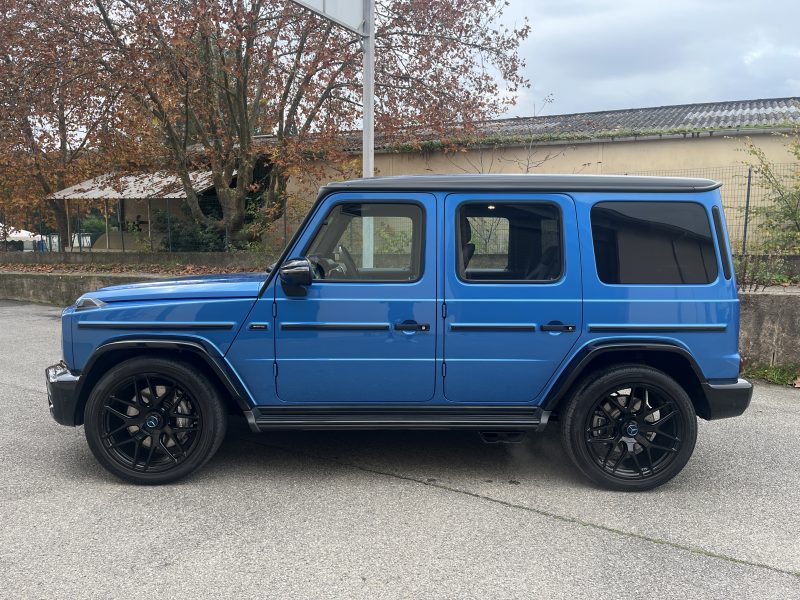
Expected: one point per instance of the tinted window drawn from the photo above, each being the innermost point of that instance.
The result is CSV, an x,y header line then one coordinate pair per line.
x,y
508,242
723,247
369,242
653,243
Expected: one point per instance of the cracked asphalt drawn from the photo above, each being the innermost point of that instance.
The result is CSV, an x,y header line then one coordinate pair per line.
x,y
386,514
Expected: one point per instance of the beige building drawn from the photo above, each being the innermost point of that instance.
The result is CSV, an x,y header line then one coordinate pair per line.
x,y
666,138
693,140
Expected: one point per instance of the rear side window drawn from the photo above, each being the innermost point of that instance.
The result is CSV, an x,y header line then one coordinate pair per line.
x,y
509,242
653,243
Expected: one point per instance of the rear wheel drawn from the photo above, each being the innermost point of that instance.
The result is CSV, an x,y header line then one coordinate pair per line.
x,y
153,420
632,428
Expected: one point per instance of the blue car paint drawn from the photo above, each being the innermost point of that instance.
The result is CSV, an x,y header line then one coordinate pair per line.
x,y
508,366
196,304
107,324
66,335
235,285
347,367
315,367
715,303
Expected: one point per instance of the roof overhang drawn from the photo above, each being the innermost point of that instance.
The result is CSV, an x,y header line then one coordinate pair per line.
x,y
113,186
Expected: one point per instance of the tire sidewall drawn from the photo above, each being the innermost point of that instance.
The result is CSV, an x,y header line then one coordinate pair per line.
x,y
600,384
202,392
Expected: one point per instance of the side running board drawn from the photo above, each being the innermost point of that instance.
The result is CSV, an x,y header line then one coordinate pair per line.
x,y
325,417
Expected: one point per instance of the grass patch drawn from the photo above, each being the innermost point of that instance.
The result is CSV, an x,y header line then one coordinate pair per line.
x,y
778,374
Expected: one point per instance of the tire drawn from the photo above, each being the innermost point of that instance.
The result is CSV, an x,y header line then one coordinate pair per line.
x,y
631,428
153,420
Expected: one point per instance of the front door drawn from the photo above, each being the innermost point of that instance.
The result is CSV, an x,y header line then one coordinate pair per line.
x,y
365,331
512,289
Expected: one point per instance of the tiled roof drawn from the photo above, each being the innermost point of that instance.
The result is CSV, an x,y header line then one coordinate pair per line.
x,y
748,115
741,114
754,115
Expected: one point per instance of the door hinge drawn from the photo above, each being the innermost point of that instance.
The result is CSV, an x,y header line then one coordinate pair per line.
x,y
274,369
444,369
444,310
274,309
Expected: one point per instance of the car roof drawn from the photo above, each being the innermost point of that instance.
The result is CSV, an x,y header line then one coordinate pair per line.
x,y
527,182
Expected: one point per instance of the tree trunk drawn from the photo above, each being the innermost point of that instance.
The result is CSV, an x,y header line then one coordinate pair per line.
x,y
275,205
232,202
59,211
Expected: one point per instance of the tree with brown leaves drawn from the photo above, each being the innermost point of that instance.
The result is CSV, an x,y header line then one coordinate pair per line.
x,y
61,119
258,90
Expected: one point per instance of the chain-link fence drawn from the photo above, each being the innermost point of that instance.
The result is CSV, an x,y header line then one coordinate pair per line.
x,y
746,197
164,225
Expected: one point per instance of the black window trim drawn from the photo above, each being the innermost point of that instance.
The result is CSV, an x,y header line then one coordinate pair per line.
x,y
422,245
654,201
488,199
722,246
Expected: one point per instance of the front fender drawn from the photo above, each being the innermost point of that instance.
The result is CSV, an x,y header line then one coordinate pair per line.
x,y
191,349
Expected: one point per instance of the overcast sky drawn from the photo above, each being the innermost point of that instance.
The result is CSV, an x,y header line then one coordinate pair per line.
x,y
609,54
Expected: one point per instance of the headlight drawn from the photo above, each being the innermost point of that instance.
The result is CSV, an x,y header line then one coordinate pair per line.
x,y
87,303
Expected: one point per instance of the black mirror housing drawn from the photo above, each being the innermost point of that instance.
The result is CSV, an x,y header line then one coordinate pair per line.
x,y
295,276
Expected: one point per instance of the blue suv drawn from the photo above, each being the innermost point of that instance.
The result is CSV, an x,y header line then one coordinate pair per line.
x,y
489,302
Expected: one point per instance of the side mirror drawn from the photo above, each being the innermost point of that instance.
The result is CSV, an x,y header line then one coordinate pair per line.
x,y
295,276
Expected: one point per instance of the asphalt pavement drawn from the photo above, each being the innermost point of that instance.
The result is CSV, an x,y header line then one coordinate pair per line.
x,y
386,514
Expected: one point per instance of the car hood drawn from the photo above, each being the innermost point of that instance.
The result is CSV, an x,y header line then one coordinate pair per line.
x,y
234,285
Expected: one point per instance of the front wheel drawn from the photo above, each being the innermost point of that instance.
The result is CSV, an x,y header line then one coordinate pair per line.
x,y
153,420
632,428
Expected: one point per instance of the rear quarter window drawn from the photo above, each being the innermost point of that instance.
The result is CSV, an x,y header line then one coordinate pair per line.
x,y
667,243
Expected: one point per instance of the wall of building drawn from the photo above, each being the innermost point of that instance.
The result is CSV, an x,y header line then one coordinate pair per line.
x,y
720,156
597,157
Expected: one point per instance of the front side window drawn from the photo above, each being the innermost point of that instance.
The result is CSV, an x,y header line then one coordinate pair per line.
x,y
653,243
369,242
509,242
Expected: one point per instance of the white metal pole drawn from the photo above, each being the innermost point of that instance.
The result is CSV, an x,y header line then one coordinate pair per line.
x,y
369,89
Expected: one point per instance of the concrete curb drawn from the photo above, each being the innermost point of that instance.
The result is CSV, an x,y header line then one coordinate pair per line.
x,y
61,289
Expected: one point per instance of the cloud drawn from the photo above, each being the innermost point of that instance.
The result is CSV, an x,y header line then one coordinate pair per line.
x,y
610,54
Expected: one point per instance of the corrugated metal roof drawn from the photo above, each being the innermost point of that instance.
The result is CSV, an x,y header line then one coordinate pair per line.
x,y
740,114
135,187
764,114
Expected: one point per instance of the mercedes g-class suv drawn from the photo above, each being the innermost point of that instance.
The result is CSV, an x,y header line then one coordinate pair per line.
x,y
489,302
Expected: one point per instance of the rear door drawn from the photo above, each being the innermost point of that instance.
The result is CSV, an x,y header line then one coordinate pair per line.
x,y
512,294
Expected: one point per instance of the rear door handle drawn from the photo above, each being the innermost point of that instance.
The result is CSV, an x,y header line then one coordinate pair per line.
x,y
412,326
559,327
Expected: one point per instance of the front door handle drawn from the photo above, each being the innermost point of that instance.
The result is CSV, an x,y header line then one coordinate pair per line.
x,y
559,327
412,326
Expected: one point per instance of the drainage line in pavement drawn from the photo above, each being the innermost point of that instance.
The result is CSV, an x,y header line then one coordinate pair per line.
x,y
543,513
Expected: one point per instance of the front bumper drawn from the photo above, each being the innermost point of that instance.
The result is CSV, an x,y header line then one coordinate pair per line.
x,y
62,394
726,400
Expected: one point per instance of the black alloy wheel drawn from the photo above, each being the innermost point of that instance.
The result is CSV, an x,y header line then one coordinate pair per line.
x,y
153,420
633,428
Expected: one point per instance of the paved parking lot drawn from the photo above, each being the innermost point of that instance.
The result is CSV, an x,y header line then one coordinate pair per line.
x,y
387,515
